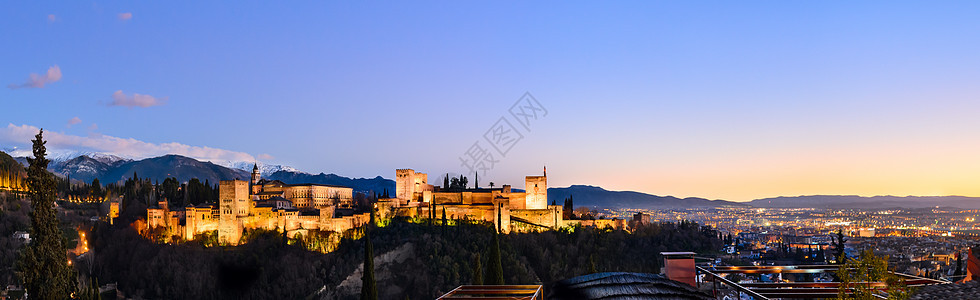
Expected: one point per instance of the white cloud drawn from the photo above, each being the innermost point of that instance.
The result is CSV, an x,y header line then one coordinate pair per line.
x,y
265,156
52,18
136,100
38,81
74,121
125,147
125,16
93,127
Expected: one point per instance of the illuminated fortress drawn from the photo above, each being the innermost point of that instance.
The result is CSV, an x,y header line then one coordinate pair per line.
x,y
298,208
507,209
261,204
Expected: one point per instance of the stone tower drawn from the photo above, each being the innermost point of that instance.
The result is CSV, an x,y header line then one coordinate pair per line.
x,y
404,184
233,202
408,183
536,188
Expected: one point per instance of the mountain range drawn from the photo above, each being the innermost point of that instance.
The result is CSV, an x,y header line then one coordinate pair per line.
x,y
593,196
860,202
109,168
86,166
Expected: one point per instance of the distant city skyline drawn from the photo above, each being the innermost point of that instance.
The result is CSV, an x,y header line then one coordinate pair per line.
x,y
721,100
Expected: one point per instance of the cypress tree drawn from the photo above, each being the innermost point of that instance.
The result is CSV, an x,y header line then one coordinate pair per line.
x,y
959,265
444,220
839,247
495,270
477,270
43,266
369,287
592,267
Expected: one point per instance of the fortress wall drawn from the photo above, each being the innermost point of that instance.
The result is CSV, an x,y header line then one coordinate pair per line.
x,y
443,198
481,212
517,200
550,217
611,223
309,222
481,198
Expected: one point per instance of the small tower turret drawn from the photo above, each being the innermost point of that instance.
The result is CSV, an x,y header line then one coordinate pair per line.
x,y
255,188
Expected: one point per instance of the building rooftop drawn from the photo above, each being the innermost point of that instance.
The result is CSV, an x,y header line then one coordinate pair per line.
x,y
317,184
967,290
622,285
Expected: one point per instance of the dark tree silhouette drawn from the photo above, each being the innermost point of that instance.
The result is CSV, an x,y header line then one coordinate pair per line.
x,y
959,265
477,270
43,265
495,269
369,287
839,246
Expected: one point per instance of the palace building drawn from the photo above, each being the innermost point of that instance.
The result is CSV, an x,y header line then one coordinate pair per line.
x,y
297,208
508,209
265,204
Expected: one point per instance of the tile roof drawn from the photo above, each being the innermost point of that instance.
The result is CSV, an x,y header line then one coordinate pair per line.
x,y
966,290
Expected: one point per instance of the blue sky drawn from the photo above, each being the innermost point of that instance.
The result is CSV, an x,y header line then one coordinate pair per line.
x,y
731,100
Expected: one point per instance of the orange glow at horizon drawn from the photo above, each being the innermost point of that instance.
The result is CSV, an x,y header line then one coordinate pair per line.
x,y
909,170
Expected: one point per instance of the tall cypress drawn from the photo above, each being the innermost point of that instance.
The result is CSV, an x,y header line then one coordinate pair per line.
x,y
43,266
495,270
477,270
369,287
839,247
959,265
444,221
592,266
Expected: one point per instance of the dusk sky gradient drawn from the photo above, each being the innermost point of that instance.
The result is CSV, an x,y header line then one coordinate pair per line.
x,y
722,100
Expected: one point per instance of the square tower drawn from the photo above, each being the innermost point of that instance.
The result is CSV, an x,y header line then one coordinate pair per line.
x,y
408,183
404,184
536,188
234,194
234,202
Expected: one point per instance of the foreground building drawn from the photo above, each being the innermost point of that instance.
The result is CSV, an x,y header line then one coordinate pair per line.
x,y
261,204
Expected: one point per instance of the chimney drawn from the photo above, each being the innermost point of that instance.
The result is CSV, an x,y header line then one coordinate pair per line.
x,y
679,266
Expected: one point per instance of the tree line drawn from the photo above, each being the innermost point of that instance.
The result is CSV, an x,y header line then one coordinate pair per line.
x,y
439,258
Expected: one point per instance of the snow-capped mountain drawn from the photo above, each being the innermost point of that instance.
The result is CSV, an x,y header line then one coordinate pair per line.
x,y
60,156
264,169
86,166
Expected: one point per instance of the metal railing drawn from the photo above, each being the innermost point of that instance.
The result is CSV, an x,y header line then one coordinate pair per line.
x,y
495,292
763,290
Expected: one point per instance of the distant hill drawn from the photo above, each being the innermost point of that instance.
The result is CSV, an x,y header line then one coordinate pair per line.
x,y
9,163
82,168
377,184
845,202
182,167
593,196
108,168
